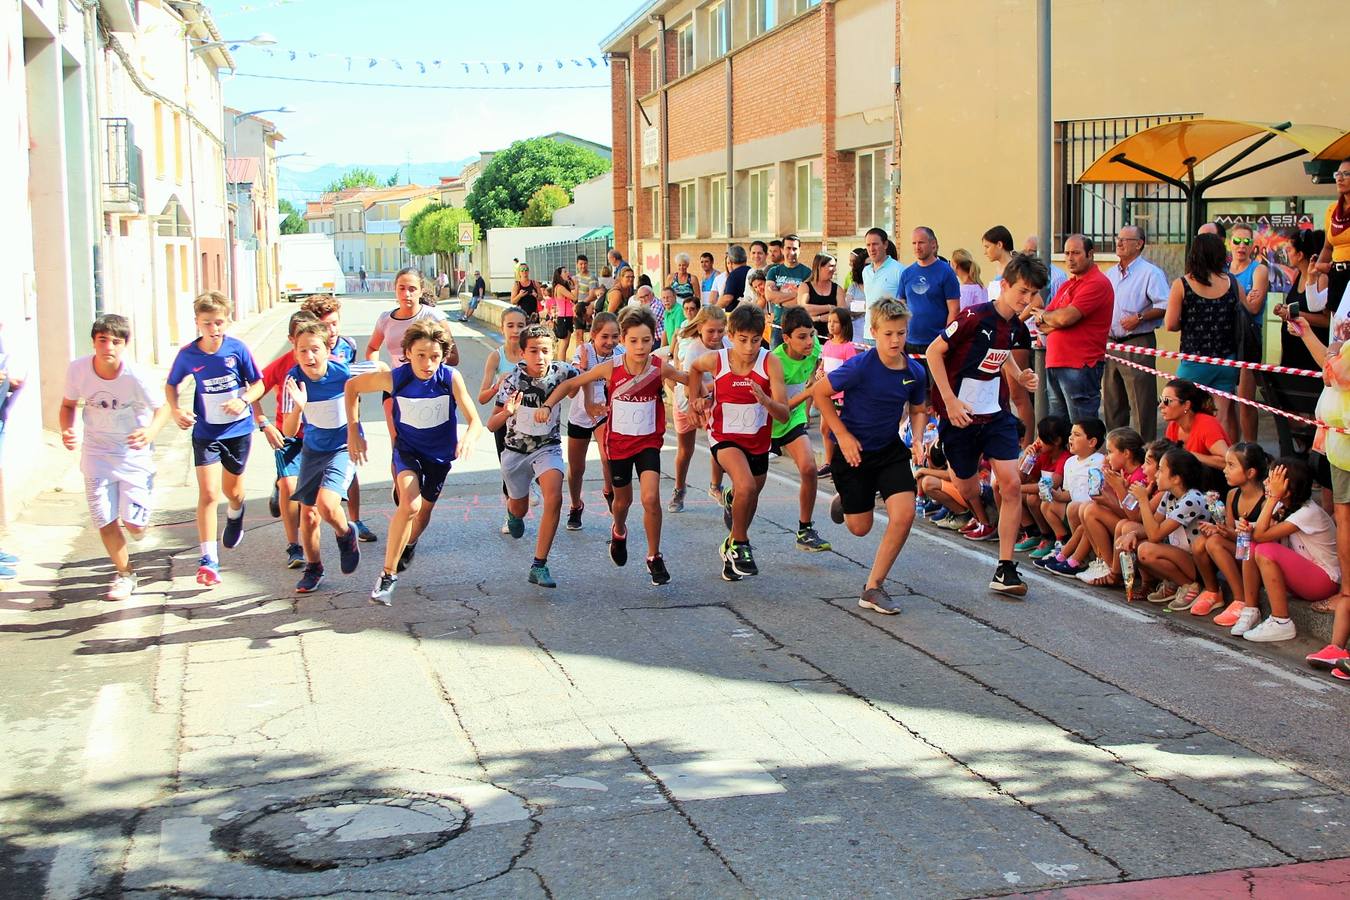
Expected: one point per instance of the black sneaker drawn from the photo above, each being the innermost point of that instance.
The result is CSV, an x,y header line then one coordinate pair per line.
x,y
349,552
274,502
618,548
364,534
384,590
574,517
406,557
726,508
728,571
233,535
311,579
1007,581
742,560
656,567
837,510
295,556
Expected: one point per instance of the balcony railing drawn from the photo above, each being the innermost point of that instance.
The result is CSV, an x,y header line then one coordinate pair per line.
x,y
123,182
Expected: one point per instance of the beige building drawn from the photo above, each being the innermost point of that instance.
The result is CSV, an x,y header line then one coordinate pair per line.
x,y
252,141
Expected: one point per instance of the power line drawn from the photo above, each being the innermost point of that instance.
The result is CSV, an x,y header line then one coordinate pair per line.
x,y
430,87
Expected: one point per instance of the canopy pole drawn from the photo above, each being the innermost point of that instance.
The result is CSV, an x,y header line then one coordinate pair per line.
x,y
1045,129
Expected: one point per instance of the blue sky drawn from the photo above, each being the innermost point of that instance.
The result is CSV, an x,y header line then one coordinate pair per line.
x,y
350,124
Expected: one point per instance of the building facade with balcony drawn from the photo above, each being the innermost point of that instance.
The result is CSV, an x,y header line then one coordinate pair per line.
x,y
386,219
319,217
254,139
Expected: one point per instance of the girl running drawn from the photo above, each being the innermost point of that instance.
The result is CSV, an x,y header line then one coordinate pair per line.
x,y
586,418
1245,470
390,327
560,310
500,363
704,333
836,351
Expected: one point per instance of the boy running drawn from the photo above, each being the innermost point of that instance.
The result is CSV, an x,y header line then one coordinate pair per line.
x,y
586,415
533,449
122,416
747,390
226,381
883,385
427,394
968,362
799,355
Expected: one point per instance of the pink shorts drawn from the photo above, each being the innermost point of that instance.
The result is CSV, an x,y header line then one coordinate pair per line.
x,y
685,422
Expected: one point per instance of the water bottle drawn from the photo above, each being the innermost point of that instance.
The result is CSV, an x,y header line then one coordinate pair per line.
x,y
1244,546
1128,571
1047,486
1129,501
1095,480
918,505
1212,503
1029,460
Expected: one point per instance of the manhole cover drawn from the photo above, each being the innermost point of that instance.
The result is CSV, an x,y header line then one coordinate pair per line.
x,y
347,828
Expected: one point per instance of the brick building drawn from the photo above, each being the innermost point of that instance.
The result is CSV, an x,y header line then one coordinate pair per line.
x,y
742,119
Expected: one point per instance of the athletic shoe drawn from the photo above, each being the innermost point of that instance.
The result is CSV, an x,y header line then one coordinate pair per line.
x,y
715,493
942,514
1063,569
1246,621
1007,581
406,557
931,506
877,600
1028,543
574,518
1184,598
953,521
274,501
656,567
1228,618
506,525
1206,603
7,572
837,510
535,497
983,531
1340,673
208,571
1043,562
1095,569
349,552
1164,593
123,586
618,549
676,503
364,534
1047,547
8,559
728,573
539,575
295,556
807,539
515,526
311,579
742,560
384,590
823,471
726,508
1270,631
233,534
1327,657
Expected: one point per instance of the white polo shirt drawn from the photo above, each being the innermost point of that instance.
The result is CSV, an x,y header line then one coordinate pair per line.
x,y
1141,287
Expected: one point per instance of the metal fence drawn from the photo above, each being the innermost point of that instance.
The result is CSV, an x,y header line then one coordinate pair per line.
x,y
122,176
1098,210
544,258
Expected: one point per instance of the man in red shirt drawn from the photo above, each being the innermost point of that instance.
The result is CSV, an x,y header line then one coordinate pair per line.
x,y
1075,325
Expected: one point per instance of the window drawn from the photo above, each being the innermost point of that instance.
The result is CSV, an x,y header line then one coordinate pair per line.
x,y
716,27
654,64
684,49
688,210
183,267
717,205
178,147
159,140
873,189
759,201
810,196
801,6
758,17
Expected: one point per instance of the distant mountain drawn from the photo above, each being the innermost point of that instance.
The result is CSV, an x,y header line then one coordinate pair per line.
x,y
298,184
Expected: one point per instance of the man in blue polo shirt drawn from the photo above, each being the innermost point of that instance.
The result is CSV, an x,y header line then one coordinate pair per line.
x,y
881,275
931,290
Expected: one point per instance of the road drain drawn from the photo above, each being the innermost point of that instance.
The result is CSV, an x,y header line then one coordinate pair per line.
x,y
344,828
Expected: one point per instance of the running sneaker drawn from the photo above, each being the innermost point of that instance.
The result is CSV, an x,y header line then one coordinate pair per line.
x,y
729,572
1042,562
823,471
1270,631
8,572
1007,581
942,514
656,567
406,557
535,497
8,559
949,521
931,506
983,531
364,534
574,518
1246,621
384,590
676,503
311,579
1206,603
274,501
1327,657
1341,672
208,571
123,586
807,539
618,549
727,499
1228,618
1063,568
349,552
233,534
837,510
743,560
295,556
1027,543
539,575
715,493
877,600
1047,547
515,526
1184,598
1094,571
506,525
1163,593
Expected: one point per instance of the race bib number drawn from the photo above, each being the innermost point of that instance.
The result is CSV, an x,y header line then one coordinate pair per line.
x,y
326,413
980,396
213,405
633,417
524,422
743,418
994,360
794,389
424,412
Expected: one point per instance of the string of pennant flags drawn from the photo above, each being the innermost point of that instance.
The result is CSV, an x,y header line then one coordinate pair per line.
x,y
423,67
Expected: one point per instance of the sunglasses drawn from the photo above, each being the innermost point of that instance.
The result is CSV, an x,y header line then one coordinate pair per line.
x,y
1242,242
1167,401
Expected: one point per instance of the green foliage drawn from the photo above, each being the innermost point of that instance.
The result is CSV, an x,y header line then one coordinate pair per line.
x,y
392,181
357,177
501,195
546,201
293,218
434,231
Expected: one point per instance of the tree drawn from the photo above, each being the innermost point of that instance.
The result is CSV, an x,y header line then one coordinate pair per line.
x,y
505,188
546,201
292,219
434,231
392,180
354,178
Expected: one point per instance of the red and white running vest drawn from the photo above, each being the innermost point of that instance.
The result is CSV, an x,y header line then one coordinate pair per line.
x,y
737,417
637,417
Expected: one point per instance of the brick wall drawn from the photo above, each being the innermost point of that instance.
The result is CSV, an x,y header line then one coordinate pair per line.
x,y
673,210
618,97
779,83
698,114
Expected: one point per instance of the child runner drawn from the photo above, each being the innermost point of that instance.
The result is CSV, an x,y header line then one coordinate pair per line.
x,y
636,430
225,382
314,394
533,449
1165,550
1124,466
704,333
747,389
500,363
883,386
838,350
1245,466
328,310
799,355
967,363
286,450
586,415
427,394
122,415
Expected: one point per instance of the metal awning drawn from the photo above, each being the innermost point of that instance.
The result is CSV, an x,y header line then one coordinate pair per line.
x,y
604,232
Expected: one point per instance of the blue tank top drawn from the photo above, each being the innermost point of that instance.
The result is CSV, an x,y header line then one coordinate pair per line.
x,y
504,365
424,413
1245,278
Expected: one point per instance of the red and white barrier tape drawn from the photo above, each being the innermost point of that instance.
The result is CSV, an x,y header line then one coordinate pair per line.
x,y
1211,360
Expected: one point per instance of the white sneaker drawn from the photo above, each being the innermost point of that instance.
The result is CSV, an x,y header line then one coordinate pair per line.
x,y
1270,630
123,586
535,497
1247,620
506,526
1096,569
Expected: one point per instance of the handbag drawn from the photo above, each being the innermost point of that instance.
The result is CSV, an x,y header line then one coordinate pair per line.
x,y
1246,335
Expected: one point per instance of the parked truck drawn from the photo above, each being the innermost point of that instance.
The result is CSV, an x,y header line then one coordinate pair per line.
x,y
309,265
504,245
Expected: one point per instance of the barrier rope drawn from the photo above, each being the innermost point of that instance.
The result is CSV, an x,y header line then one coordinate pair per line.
x,y
1211,360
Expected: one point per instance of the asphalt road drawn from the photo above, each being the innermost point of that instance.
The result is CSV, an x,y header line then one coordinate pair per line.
x,y
611,738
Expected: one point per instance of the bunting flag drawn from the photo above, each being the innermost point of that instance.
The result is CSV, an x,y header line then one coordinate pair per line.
x,y
489,67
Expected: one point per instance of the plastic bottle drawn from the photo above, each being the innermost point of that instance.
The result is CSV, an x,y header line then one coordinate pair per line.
x,y
1029,460
1047,486
1129,501
1244,545
1095,480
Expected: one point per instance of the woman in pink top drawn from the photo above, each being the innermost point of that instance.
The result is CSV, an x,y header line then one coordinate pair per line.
x,y
560,309
838,350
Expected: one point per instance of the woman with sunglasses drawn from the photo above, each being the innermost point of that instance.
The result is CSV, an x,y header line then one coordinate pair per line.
x,y
1334,258
1186,411
1251,272
527,294
819,294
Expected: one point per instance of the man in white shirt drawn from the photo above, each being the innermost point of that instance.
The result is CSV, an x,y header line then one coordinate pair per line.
x,y
1141,291
881,275
1057,274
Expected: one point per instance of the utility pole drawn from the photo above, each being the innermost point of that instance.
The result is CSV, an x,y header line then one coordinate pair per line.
x,y
1045,129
